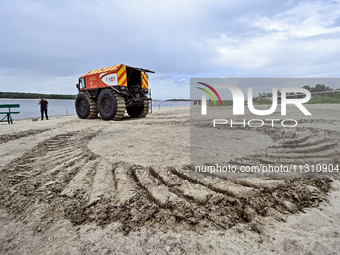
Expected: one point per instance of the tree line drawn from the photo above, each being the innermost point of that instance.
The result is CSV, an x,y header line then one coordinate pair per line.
x,y
22,95
317,88
177,100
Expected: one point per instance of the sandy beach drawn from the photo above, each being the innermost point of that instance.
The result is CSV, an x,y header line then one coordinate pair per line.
x,y
75,186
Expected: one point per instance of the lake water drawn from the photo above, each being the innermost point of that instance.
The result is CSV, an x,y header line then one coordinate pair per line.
x,y
29,108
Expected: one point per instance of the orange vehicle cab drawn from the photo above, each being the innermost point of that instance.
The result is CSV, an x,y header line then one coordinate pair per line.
x,y
105,88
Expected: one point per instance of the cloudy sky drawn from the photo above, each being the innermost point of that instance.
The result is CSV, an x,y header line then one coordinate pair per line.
x,y
46,45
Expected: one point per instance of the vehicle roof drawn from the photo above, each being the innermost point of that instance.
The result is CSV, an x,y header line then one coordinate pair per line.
x,y
101,70
113,68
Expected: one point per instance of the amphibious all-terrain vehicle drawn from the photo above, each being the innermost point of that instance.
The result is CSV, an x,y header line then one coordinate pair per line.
x,y
112,90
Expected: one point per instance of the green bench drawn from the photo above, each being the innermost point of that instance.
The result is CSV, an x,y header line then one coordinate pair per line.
x,y
8,113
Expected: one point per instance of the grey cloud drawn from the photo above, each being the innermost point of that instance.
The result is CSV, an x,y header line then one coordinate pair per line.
x,y
177,39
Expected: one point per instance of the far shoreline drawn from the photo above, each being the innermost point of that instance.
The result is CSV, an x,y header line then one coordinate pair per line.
x,y
52,116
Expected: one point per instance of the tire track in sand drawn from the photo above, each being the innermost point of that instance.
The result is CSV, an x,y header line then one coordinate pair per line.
x,y
64,179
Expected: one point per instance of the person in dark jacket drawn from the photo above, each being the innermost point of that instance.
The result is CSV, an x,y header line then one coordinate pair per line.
x,y
43,108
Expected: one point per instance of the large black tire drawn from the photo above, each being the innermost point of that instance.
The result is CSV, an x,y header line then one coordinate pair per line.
x,y
85,107
138,111
111,105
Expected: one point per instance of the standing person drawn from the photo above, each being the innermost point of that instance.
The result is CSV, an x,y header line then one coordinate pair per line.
x,y
43,107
